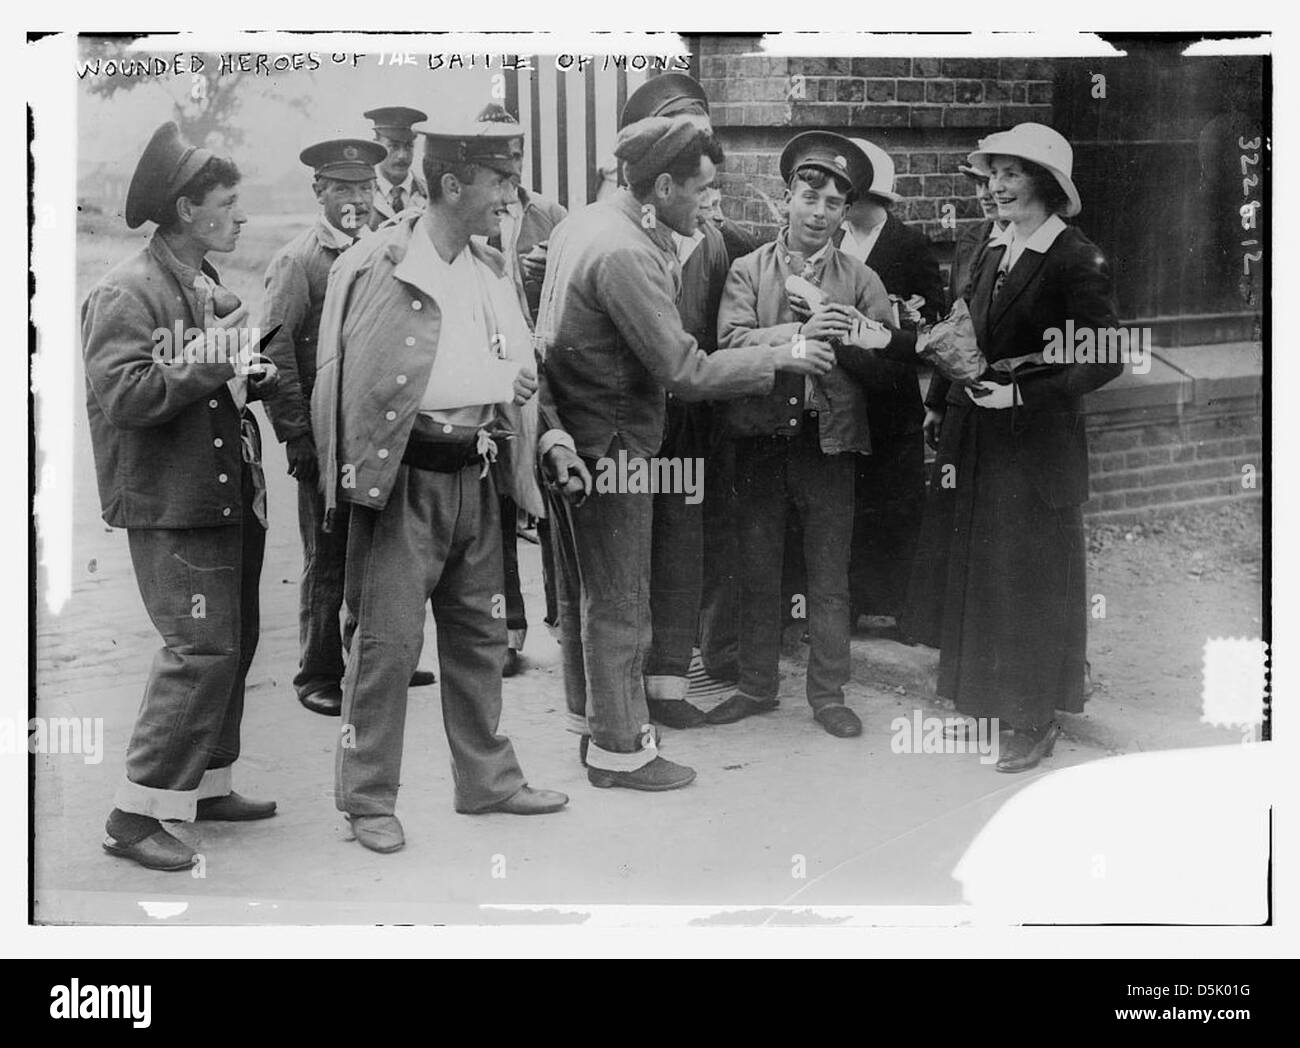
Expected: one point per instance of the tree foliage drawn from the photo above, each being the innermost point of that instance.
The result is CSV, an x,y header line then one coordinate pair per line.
x,y
206,104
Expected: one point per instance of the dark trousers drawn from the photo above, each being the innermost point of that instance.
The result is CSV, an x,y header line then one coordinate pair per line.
x,y
320,594
773,476
549,570
516,614
437,541
199,586
676,559
889,499
719,598
603,554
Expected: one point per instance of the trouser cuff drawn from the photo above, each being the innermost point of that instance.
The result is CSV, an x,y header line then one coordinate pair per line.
x,y
607,760
666,689
180,805
576,723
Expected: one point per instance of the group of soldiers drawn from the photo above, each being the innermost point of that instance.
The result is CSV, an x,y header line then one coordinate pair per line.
x,y
449,355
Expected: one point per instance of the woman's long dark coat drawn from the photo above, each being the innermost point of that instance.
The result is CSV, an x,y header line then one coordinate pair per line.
x,y
1014,633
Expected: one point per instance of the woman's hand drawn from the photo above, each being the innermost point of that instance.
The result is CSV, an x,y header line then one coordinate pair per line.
x,y
931,427
868,334
993,395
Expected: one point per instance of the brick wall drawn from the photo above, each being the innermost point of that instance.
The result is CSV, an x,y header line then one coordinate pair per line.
x,y
1143,461
928,113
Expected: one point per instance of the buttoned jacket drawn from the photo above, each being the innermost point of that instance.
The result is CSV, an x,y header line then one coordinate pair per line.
x,y
165,436
378,339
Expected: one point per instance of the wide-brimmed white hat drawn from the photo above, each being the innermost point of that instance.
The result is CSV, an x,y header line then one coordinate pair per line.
x,y
1038,143
882,172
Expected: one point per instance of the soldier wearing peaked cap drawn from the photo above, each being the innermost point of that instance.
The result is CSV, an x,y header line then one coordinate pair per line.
x,y
523,240
613,345
397,186
670,94
422,413
796,445
176,459
343,172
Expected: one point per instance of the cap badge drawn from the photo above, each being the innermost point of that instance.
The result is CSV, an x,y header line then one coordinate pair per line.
x,y
841,162
350,152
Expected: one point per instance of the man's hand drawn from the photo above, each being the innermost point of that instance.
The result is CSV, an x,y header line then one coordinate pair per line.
x,y
931,426
525,385
567,474
805,356
533,263
263,380
992,395
828,321
301,452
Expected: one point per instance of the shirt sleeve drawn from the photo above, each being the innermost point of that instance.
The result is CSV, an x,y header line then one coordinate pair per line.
x,y
891,368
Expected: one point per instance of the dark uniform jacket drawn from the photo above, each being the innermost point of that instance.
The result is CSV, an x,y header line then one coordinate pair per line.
x,y
904,260
295,295
612,338
166,436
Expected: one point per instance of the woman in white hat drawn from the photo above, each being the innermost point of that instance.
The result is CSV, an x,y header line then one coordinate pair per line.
x,y
1014,629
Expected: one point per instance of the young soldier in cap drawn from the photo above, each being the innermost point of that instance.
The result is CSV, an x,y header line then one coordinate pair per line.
x,y
890,490
343,179
397,187
176,459
525,229
613,342
424,363
677,546
795,444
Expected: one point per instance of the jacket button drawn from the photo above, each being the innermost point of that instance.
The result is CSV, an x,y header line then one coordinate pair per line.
x,y
217,443
794,401
374,493
383,453
212,403
401,380
226,512
410,340
390,415
447,427
794,422
813,414
222,478
417,304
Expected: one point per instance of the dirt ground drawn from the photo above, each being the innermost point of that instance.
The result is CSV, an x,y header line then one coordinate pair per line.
x,y
782,815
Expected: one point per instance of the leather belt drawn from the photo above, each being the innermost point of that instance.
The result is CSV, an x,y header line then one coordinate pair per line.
x,y
441,456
